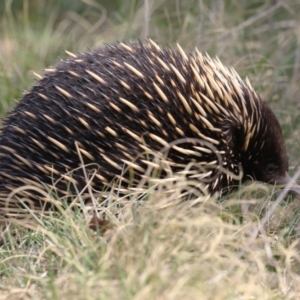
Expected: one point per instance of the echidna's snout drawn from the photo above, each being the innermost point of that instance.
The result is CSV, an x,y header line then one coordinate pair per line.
x,y
291,184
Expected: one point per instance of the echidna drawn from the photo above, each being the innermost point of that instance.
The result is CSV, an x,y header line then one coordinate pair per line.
x,y
116,108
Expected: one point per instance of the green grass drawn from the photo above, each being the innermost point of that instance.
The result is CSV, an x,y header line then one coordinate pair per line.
x,y
238,248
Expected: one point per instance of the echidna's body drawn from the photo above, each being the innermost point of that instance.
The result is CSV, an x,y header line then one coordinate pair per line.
x,y
118,104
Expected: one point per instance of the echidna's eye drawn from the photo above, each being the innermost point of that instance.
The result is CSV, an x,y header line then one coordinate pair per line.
x,y
271,167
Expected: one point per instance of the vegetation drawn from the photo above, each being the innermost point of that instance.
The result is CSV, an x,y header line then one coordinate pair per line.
x,y
243,247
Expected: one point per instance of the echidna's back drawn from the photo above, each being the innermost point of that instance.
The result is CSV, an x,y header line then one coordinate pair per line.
x,y
106,101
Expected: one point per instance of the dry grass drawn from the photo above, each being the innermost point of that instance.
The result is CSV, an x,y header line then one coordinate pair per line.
x,y
243,247
162,248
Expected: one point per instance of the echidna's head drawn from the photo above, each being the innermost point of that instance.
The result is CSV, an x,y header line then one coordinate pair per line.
x,y
265,159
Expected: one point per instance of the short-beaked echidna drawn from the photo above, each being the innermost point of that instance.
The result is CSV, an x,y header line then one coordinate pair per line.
x,y
113,107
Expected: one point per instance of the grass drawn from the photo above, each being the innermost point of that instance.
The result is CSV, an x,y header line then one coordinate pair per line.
x,y
184,251
239,248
